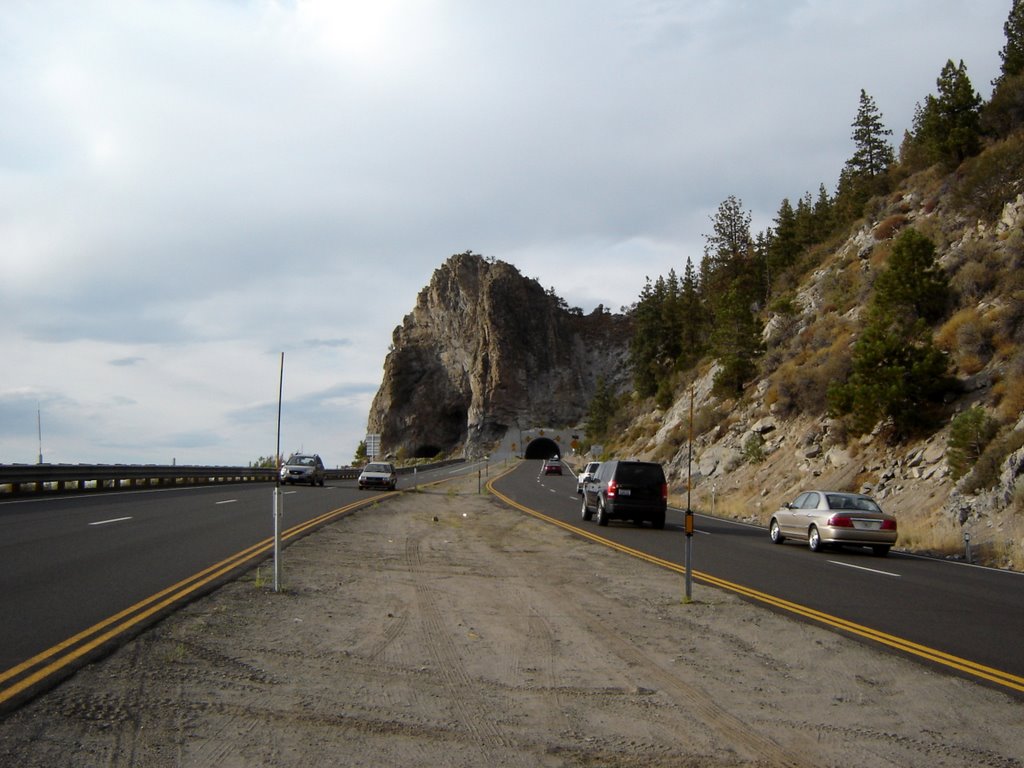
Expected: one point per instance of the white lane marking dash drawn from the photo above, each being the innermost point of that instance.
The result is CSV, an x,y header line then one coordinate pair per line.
x,y
869,570
112,520
228,501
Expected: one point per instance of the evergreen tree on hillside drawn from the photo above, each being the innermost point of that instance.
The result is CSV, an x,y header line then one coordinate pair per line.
x,y
1004,113
914,285
947,128
729,255
692,319
896,371
873,153
736,343
1013,52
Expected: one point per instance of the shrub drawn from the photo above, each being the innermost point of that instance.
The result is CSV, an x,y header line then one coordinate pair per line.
x,y
753,448
890,226
968,337
969,435
1009,390
985,473
987,181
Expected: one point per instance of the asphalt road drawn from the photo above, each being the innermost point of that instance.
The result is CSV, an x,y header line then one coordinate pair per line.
x,y
961,618
80,572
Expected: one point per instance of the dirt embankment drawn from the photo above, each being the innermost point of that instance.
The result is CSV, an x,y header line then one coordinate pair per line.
x,y
443,629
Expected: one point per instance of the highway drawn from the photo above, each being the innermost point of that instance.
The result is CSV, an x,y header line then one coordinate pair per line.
x,y
957,617
81,572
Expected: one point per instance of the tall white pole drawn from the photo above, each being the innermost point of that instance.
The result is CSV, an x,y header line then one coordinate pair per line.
x,y
39,426
278,500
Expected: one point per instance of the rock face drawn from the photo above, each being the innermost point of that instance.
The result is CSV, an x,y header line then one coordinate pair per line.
x,y
486,350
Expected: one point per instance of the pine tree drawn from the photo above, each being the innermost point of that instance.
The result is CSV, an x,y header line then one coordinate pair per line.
x,y
736,342
1012,53
873,154
948,126
896,371
1004,113
692,319
914,286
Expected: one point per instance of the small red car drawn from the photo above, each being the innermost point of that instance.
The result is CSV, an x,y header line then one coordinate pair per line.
x,y
552,467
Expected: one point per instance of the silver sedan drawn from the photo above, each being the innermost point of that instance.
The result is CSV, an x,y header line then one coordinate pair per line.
x,y
823,518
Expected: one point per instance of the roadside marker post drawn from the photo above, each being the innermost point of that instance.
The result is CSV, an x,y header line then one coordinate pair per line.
x,y
278,498
688,528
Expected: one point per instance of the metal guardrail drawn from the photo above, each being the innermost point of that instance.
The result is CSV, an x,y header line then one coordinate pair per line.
x,y
24,479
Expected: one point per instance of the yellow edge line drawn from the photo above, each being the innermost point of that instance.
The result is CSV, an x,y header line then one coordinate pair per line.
x,y
966,666
155,603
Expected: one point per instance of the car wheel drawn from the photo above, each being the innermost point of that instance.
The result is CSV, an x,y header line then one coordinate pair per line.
x,y
880,550
775,532
602,513
586,513
814,539
659,521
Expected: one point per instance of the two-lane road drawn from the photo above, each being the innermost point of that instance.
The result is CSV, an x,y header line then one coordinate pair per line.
x,y
962,618
80,572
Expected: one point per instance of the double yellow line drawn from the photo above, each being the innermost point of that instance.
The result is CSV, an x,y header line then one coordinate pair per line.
x,y
45,668
965,666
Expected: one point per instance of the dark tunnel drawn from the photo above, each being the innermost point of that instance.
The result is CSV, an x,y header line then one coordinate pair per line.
x,y
542,448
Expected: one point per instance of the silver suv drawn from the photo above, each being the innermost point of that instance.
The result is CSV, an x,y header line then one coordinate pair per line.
x,y
303,468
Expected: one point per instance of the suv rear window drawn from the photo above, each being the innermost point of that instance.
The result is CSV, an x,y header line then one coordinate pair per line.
x,y
640,473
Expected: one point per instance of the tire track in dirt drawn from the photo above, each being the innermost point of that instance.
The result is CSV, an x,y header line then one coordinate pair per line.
x,y
474,711
732,729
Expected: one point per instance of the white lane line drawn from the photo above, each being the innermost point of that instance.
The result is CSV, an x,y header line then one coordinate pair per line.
x,y
112,520
228,501
869,570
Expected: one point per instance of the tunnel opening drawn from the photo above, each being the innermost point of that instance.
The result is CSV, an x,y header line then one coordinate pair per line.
x,y
542,448
427,452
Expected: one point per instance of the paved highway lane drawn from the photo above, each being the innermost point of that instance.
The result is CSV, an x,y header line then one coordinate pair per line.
x,y
963,618
80,572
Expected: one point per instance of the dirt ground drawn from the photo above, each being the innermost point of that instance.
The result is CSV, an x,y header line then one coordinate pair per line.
x,y
442,628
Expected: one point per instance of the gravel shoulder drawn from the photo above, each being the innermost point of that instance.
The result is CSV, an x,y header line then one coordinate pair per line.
x,y
443,628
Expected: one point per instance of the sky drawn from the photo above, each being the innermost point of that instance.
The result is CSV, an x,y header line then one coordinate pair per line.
x,y
197,196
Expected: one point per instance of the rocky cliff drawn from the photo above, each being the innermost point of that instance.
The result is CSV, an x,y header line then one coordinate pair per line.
x,y
486,350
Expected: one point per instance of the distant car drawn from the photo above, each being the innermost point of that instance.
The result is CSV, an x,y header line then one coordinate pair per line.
x,y
824,518
634,490
378,474
303,468
552,467
589,473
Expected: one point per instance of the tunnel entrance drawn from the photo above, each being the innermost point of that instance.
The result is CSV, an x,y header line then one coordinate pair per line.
x,y
427,452
542,448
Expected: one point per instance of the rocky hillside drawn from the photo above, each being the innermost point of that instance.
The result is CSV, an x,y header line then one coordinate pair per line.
x,y
487,350
751,454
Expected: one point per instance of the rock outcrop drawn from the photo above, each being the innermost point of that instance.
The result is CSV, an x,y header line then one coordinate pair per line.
x,y
487,350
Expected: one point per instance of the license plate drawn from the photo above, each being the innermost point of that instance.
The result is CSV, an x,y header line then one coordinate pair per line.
x,y
625,492
867,525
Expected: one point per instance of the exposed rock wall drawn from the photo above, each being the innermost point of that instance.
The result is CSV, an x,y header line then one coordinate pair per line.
x,y
485,350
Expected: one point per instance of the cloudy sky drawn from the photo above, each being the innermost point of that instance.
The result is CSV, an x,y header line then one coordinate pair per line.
x,y
190,188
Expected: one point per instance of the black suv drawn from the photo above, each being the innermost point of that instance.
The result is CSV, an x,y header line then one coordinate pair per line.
x,y
634,490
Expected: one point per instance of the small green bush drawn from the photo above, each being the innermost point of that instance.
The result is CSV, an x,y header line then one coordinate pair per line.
x,y
969,435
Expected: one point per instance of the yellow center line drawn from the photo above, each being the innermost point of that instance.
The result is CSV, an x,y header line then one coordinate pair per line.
x,y
76,646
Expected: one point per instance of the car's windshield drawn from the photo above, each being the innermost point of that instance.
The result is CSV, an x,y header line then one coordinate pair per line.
x,y
378,468
305,461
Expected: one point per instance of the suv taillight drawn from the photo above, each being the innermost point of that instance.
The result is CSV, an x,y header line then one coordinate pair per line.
x,y
613,488
664,491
